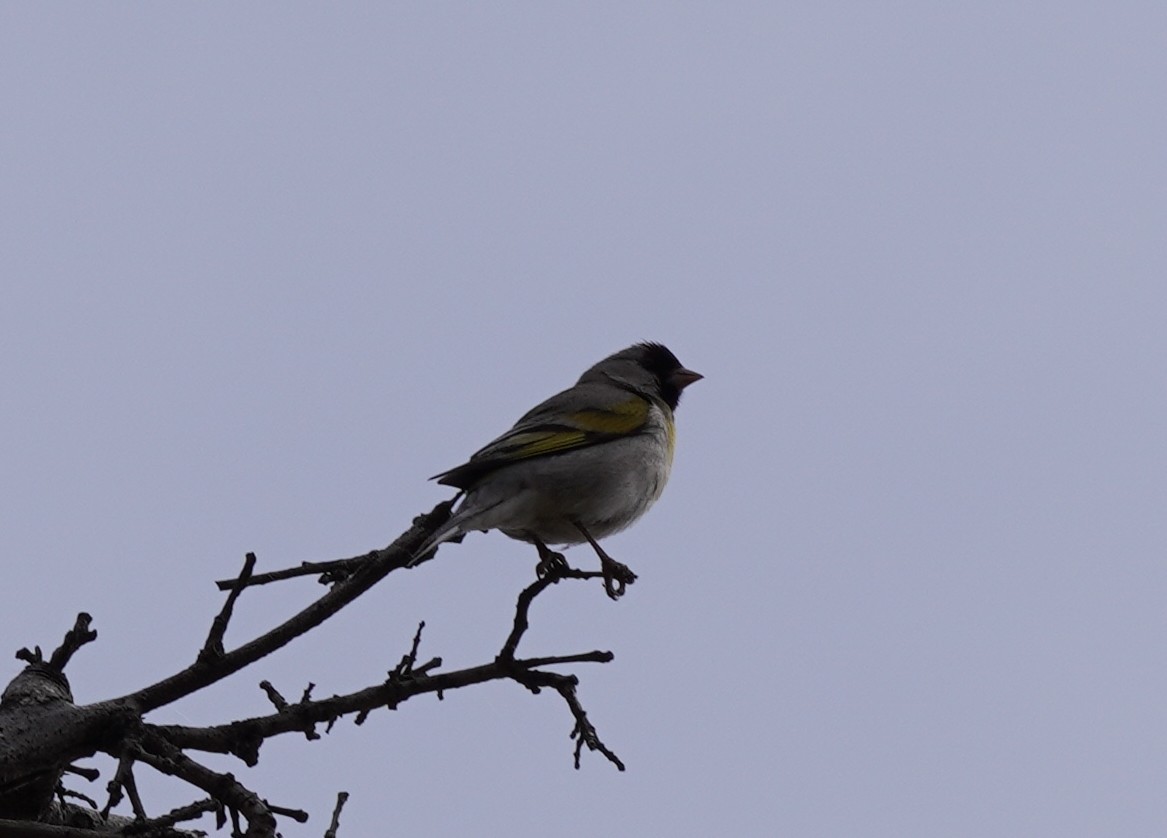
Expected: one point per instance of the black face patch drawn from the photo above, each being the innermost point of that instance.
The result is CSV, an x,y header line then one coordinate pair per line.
x,y
658,360
653,358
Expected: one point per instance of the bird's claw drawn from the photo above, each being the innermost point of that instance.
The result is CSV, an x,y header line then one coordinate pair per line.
x,y
617,577
550,562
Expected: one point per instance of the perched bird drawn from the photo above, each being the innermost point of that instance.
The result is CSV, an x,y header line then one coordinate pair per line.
x,y
580,466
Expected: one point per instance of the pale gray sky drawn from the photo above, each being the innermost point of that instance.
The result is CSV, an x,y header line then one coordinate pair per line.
x,y
268,267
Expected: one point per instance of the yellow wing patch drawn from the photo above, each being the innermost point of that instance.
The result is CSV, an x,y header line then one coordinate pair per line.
x,y
624,418
534,443
575,430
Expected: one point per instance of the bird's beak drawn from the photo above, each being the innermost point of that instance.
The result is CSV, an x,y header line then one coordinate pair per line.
x,y
683,377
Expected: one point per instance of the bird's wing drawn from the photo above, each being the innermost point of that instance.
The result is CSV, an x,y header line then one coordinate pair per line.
x,y
557,425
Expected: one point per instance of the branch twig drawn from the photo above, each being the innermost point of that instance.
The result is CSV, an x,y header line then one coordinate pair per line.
x,y
213,648
174,816
75,638
336,569
341,799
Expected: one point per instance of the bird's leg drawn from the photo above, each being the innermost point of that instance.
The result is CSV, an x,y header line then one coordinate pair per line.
x,y
549,560
617,576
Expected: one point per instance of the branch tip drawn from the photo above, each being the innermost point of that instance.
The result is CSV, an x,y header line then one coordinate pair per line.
x,y
341,799
213,647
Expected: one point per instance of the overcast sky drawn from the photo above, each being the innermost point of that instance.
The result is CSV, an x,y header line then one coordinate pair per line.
x,y
267,267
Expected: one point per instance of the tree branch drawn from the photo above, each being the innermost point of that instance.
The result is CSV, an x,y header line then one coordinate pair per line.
x,y
338,569
75,638
44,731
163,756
213,648
183,813
341,799
243,738
374,567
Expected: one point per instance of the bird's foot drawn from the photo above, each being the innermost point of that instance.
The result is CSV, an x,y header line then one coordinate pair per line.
x,y
550,562
617,576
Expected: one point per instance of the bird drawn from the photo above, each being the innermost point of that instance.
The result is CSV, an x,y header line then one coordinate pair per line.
x,y
580,466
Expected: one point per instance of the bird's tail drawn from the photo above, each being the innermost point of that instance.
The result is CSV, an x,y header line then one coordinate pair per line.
x,y
472,514
452,529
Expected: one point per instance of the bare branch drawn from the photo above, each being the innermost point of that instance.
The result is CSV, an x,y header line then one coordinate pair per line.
x,y
554,573
274,696
341,799
31,657
336,569
583,657
213,648
75,638
243,738
376,566
89,774
63,794
584,732
298,815
116,727
123,778
405,667
161,755
183,813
